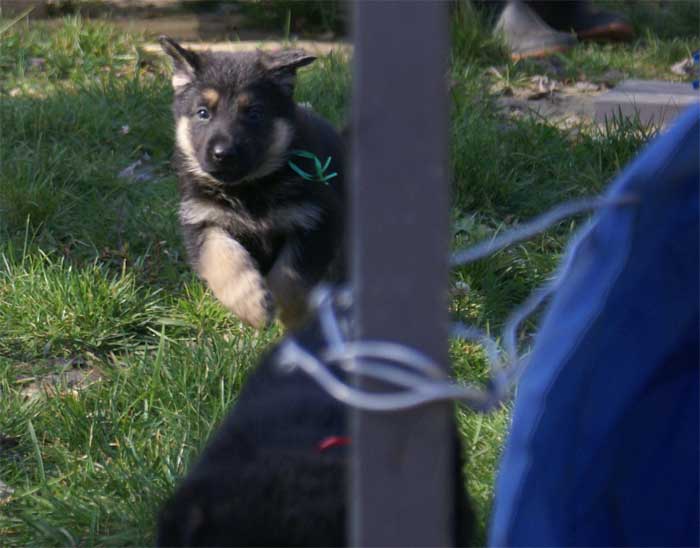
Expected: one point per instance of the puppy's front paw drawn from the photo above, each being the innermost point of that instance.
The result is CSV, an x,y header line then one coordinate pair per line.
x,y
233,277
257,307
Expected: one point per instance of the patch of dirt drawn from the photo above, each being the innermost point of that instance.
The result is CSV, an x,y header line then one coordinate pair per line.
x,y
566,107
73,375
68,382
565,103
577,103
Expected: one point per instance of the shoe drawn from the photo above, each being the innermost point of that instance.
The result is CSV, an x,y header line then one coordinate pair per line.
x,y
587,22
527,35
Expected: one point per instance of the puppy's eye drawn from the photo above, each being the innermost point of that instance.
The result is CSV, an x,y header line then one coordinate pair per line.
x,y
203,114
255,114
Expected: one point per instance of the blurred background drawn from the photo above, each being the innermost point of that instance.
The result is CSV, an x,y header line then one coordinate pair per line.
x,y
204,20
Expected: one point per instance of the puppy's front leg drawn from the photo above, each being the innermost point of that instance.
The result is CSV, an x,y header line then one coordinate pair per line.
x,y
289,288
233,277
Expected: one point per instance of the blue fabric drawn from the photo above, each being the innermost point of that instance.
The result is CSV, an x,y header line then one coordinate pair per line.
x,y
603,448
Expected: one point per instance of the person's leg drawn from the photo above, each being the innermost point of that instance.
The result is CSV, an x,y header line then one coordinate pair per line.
x,y
581,17
528,35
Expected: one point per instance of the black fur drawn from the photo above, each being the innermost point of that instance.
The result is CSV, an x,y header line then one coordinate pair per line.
x,y
262,481
237,174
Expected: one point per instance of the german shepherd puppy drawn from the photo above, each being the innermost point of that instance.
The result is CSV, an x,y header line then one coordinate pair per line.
x,y
275,473
255,230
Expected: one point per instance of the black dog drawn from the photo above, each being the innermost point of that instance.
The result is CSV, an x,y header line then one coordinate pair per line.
x,y
256,230
275,472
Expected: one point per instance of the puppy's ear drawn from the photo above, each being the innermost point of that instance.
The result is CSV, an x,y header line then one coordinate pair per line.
x,y
282,66
186,63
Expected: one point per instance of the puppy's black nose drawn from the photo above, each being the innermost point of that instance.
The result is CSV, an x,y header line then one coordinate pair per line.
x,y
222,152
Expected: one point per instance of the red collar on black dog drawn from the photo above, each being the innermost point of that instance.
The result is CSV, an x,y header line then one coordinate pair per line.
x,y
332,441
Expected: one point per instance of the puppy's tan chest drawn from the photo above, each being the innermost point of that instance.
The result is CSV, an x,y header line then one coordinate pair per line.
x,y
284,218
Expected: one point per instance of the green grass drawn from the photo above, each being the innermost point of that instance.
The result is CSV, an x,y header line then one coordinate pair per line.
x,y
92,267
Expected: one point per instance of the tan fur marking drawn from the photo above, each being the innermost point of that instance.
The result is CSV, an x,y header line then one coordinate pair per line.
x,y
195,211
243,100
231,274
180,80
283,133
182,140
211,96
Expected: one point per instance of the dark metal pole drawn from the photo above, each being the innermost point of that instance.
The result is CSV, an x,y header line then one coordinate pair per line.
x,y
400,483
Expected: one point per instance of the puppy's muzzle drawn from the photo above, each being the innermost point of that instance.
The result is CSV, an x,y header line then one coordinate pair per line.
x,y
223,153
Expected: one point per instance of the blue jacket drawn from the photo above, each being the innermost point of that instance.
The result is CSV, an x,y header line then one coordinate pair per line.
x,y
603,448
